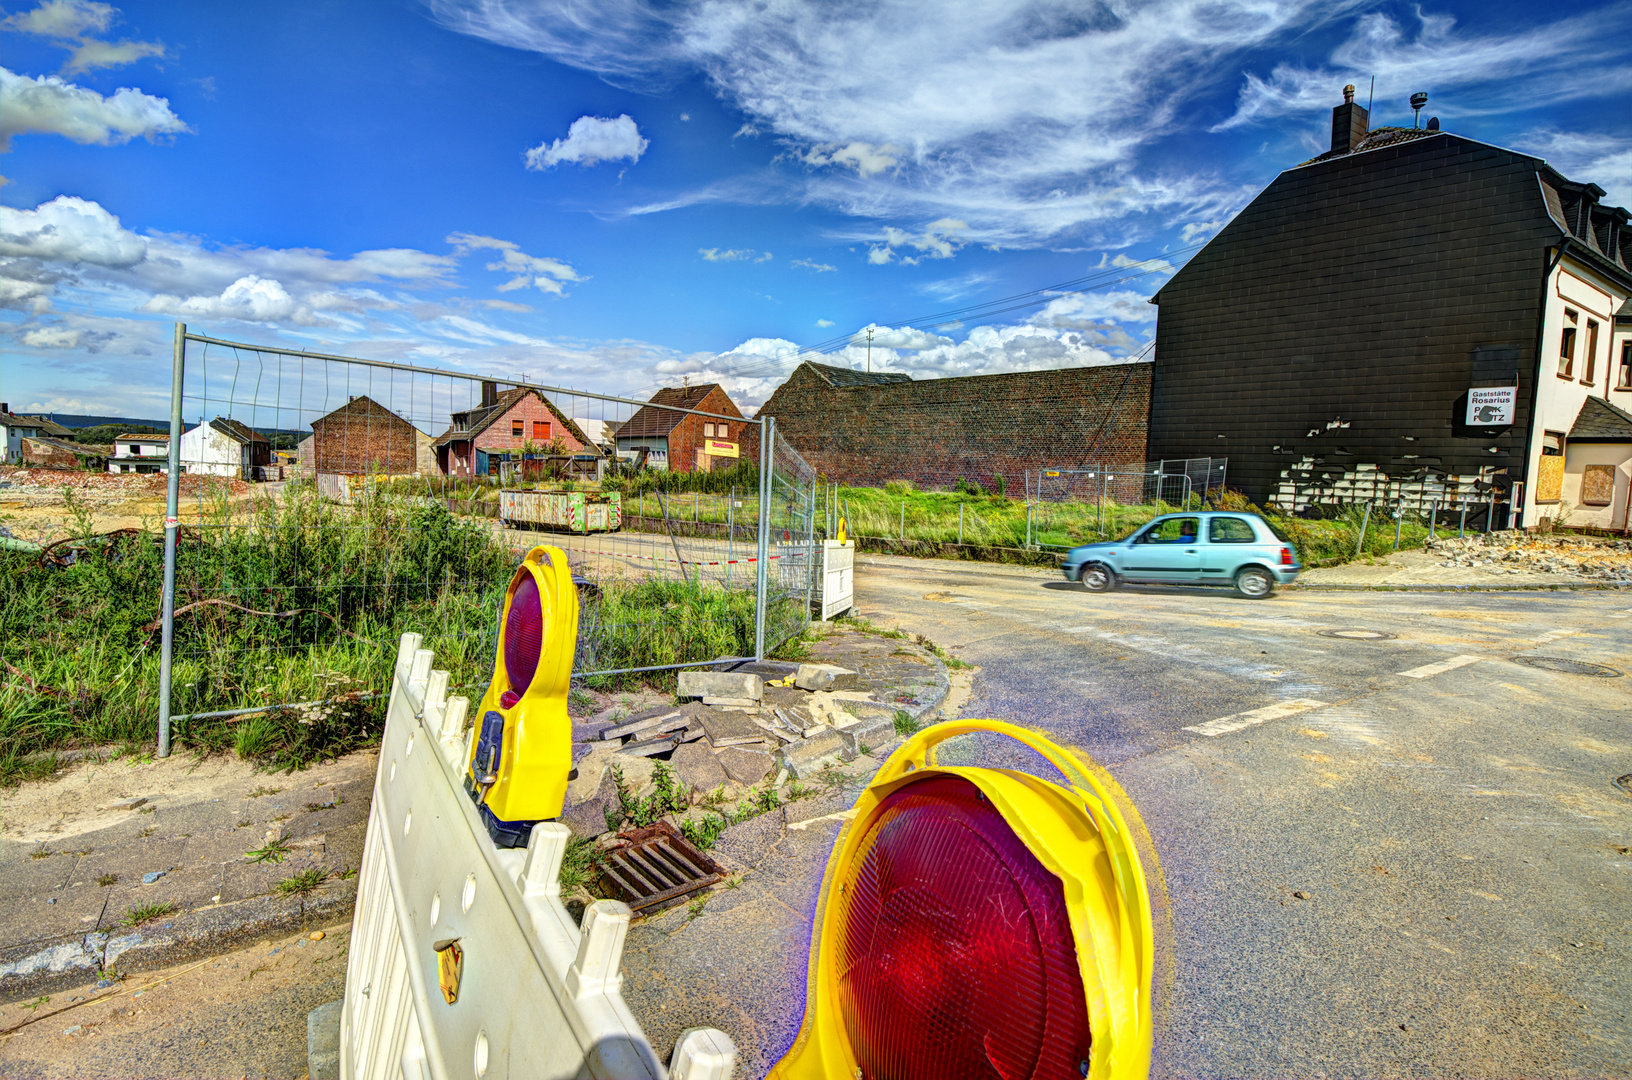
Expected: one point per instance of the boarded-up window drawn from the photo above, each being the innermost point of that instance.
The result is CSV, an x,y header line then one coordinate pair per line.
x,y
1597,485
517,428
1550,471
541,430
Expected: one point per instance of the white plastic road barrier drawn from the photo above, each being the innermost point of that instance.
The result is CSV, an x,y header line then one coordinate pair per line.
x,y
442,913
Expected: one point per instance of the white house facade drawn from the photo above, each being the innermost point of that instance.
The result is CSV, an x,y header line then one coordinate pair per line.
x,y
224,447
140,454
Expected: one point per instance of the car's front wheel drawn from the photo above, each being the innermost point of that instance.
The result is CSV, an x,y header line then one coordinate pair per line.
x,y
1097,577
1254,583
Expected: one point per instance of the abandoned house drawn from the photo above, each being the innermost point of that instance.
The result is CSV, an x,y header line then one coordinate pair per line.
x,y
1413,316
872,427
62,453
685,441
225,447
364,437
504,425
17,428
140,454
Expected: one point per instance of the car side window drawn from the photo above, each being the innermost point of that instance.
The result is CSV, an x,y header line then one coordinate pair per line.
x,y
1171,531
1228,530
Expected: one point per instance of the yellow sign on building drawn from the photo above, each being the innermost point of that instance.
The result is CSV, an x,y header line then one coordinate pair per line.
x,y
719,448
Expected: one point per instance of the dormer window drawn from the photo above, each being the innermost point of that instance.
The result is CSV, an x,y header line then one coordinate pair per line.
x,y
1566,344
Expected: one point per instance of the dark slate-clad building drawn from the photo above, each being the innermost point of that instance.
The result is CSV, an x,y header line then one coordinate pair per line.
x,y
1415,315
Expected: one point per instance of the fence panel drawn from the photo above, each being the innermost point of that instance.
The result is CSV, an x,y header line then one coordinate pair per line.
x,y
324,504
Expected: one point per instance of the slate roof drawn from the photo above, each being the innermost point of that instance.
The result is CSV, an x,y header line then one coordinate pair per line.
x,y
236,431
472,422
45,426
656,423
1599,421
843,378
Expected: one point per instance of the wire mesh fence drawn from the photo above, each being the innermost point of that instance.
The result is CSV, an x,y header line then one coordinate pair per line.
x,y
325,504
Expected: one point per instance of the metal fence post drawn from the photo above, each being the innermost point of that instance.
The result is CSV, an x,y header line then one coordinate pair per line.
x,y
1433,512
811,568
960,524
172,492
1399,519
1364,521
1462,523
767,436
903,521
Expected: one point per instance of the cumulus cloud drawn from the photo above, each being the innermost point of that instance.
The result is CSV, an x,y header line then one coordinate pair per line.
x,y
734,255
591,139
543,273
52,337
824,323
48,105
71,23
811,264
865,158
939,240
1605,160
69,229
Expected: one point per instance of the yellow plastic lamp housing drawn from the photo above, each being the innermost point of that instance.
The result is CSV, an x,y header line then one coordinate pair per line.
x,y
980,923
521,748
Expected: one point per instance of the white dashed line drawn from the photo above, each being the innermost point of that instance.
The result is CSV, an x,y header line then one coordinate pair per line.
x,y
1428,671
1554,635
1226,724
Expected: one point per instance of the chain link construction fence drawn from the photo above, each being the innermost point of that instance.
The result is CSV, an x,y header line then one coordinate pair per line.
x,y
333,503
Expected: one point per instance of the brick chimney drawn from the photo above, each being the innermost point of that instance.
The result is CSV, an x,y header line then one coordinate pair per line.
x,y
1348,123
490,394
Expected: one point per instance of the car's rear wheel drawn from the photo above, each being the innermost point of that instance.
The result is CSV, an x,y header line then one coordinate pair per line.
x,y
1097,577
1254,583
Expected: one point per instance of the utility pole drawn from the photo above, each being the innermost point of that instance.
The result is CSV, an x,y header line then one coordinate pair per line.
x,y
869,350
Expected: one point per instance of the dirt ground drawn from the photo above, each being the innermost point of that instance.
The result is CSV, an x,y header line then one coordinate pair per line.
x,y
242,1013
34,507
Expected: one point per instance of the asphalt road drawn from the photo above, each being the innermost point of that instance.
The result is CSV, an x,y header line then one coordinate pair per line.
x,y
1449,813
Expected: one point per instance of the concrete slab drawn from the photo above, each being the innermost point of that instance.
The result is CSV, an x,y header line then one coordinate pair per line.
x,y
745,765
825,677
721,684
699,769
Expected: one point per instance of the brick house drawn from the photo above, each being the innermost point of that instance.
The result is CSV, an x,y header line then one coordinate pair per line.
x,y
862,428
14,429
62,454
1411,315
363,436
684,441
504,424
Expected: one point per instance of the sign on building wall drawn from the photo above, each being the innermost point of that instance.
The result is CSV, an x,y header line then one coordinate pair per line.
x,y
1489,406
720,448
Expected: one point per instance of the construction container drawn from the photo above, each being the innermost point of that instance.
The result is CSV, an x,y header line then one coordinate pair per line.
x,y
566,511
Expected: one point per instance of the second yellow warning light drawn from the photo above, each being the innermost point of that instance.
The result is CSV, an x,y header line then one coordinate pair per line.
x,y
980,924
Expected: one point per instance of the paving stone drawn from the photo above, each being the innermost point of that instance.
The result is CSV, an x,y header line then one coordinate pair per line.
x,y
699,768
587,818
825,677
722,684
727,725
739,702
744,765
806,757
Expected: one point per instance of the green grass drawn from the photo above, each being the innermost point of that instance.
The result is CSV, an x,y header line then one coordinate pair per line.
x,y
306,881
142,913
275,852
580,866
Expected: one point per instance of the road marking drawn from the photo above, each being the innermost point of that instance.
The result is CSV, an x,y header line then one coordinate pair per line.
x,y
842,815
1429,670
1078,630
1554,635
1226,724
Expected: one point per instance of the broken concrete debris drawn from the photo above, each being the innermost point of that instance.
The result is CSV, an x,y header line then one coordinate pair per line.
x,y
722,684
824,677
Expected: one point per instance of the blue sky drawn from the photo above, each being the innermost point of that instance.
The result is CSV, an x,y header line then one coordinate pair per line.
x,y
620,194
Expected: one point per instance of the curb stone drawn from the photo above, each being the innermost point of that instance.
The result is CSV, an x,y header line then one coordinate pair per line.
x,y
50,966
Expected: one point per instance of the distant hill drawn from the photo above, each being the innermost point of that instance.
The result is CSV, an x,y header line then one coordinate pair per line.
x,y
72,420
282,438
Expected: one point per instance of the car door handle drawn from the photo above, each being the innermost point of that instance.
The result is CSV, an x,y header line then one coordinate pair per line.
x,y
1189,551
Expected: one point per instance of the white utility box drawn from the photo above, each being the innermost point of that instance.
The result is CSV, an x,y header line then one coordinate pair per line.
x,y
838,588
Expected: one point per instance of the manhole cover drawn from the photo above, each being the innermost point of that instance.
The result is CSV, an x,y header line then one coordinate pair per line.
x,y
1357,635
1568,667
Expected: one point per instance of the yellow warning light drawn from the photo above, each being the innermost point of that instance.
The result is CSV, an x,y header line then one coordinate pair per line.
x,y
980,923
521,750
843,526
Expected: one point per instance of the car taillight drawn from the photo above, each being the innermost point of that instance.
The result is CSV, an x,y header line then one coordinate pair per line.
x,y
1286,556
523,639
956,953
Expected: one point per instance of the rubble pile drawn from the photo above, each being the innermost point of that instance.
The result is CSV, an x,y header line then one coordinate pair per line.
x,y
44,481
1515,553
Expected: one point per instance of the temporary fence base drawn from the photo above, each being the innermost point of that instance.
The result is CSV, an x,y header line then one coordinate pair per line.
x,y
530,994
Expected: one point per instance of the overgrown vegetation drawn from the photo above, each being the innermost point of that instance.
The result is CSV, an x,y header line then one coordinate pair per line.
x,y
304,882
142,913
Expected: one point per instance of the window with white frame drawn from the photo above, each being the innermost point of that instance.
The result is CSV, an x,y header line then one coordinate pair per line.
x,y
1589,368
1625,382
708,431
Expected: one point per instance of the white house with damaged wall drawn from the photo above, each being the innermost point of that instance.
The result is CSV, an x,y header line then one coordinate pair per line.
x,y
224,447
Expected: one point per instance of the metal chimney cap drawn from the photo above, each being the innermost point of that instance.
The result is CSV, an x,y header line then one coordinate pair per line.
x,y
1419,99
1348,94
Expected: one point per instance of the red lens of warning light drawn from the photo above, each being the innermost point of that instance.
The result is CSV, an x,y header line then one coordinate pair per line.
x,y
523,639
957,957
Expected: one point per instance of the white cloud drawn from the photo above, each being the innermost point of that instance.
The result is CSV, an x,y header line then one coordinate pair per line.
x,y
904,337
107,54
734,255
1160,266
1095,310
865,158
1605,160
824,323
1475,73
1196,232
48,105
543,273
52,337
69,230
589,140
939,240
249,299
505,305
746,131
62,19
811,264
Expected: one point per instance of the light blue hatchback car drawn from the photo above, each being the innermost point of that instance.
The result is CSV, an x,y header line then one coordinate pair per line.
x,y
1212,548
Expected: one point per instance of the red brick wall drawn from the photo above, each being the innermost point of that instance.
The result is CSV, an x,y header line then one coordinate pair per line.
x,y
498,435
935,432
688,435
364,438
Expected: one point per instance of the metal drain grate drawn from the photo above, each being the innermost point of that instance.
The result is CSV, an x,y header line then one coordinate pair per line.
x,y
1568,667
656,867
1358,635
